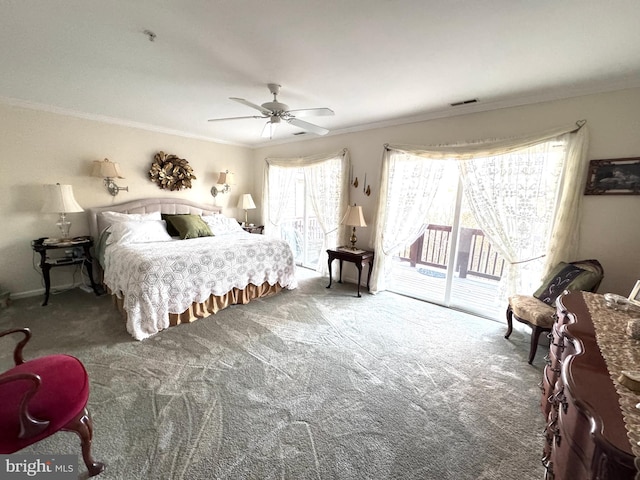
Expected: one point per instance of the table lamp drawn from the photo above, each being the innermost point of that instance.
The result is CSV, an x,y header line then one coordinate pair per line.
x,y
59,199
354,218
246,202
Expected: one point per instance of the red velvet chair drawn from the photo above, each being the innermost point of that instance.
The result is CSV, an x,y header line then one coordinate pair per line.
x,y
42,396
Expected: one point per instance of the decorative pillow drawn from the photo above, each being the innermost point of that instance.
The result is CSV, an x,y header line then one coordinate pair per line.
x,y
222,225
588,280
138,232
170,228
188,226
565,277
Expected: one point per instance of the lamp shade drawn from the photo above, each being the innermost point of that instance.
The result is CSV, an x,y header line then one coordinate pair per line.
x,y
59,199
226,178
246,202
106,169
354,217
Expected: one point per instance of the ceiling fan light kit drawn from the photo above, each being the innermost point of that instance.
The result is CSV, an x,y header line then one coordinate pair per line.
x,y
276,111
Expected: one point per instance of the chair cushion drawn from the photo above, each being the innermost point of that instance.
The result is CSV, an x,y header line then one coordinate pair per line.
x,y
532,310
62,395
565,276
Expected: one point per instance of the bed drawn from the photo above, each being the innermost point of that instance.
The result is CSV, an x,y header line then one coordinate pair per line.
x,y
159,280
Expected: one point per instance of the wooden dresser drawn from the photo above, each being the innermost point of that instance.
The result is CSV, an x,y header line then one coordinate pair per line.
x,y
585,436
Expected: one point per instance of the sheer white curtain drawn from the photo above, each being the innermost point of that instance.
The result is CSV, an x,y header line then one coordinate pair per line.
x,y
513,198
326,179
566,232
408,186
278,184
328,189
489,181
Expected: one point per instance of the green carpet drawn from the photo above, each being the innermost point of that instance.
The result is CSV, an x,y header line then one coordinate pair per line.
x,y
309,384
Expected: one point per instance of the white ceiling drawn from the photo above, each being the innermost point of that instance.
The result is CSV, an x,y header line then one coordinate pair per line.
x,y
374,62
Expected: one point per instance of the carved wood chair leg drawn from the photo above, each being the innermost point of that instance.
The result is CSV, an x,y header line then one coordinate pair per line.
x,y
509,322
535,336
83,427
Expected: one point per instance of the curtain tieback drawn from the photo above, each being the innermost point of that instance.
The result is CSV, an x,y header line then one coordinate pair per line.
x,y
529,260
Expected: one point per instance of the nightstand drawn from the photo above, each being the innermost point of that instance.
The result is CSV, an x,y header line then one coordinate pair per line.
x,y
43,245
255,229
358,257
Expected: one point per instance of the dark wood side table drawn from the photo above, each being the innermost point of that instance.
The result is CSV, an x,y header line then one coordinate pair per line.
x,y
358,257
255,229
46,264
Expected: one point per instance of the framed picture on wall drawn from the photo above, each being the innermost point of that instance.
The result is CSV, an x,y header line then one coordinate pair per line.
x,y
618,176
634,296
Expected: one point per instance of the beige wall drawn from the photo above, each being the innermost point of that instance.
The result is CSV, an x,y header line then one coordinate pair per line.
x,y
610,228
39,148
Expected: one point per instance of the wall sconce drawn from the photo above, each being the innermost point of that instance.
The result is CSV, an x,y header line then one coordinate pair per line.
x,y
59,199
354,218
225,180
108,170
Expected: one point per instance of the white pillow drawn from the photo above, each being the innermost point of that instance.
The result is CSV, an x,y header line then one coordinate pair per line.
x,y
139,232
222,225
115,217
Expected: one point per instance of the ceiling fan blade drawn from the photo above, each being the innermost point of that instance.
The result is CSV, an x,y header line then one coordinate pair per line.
x,y
312,112
233,118
269,130
252,105
309,127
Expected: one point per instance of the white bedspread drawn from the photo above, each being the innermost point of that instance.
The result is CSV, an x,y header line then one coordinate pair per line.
x,y
159,278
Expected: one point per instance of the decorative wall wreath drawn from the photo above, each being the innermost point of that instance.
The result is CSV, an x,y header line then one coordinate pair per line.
x,y
170,172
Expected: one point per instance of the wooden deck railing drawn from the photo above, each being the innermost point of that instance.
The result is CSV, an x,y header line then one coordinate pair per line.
x,y
476,256
314,232
293,230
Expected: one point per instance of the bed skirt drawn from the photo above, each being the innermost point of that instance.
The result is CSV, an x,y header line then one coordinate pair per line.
x,y
214,303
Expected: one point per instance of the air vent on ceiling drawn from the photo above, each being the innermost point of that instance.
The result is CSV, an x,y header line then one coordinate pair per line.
x,y
464,102
300,133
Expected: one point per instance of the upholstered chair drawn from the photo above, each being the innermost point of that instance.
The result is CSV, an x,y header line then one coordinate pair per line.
x,y
538,310
39,397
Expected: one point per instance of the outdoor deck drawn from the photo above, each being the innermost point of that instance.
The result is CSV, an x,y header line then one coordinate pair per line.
x,y
478,267
474,294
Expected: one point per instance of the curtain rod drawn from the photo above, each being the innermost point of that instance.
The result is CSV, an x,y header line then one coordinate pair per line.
x,y
579,124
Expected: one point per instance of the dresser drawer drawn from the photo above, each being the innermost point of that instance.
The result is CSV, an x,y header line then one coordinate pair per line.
x,y
567,458
567,464
556,344
547,385
574,427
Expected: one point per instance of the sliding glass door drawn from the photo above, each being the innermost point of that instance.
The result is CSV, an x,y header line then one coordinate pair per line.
x,y
304,201
452,263
510,198
300,226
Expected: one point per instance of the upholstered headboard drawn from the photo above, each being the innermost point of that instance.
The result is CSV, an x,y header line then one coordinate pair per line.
x,y
146,205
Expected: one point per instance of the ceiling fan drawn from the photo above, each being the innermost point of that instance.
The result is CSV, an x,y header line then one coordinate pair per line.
x,y
276,112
